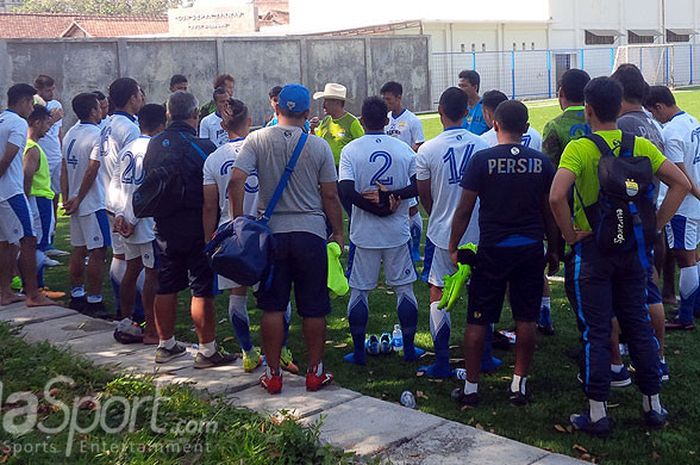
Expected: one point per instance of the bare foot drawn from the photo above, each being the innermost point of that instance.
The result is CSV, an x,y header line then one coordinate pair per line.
x,y
8,299
40,301
150,340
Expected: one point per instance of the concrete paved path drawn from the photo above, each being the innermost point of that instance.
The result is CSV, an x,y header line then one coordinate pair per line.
x,y
351,421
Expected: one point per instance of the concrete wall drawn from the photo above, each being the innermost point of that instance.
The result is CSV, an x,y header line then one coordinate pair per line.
x,y
362,64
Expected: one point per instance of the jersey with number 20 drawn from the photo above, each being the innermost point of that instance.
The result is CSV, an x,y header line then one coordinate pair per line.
x,y
377,157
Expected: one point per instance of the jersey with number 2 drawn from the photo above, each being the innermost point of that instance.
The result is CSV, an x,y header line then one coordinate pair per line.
x,y
372,159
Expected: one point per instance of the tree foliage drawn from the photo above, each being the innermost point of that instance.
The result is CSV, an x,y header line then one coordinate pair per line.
x,y
98,7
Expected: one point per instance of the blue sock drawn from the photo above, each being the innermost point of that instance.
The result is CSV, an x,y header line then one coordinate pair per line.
x,y
488,361
416,233
440,326
40,259
287,322
238,313
407,309
358,315
116,273
139,313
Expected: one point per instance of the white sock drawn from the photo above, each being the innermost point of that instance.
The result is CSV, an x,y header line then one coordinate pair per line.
x,y
518,384
652,403
688,281
94,299
117,269
597,410
616,368
546,302
470,388
207,349
319,368
167,343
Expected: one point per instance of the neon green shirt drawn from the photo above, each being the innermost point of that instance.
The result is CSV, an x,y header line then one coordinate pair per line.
x,y
41,182
581,157
339,132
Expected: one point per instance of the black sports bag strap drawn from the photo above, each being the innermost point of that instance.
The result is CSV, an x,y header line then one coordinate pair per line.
x,y
600,143
627,145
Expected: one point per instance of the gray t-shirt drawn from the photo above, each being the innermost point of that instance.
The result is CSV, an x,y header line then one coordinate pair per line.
x,y
268,151
640,124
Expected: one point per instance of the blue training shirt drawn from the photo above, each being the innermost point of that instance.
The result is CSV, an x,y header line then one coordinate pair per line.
x,y
474,121
512,182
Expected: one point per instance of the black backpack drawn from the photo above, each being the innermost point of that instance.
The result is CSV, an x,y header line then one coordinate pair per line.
x,y
624,217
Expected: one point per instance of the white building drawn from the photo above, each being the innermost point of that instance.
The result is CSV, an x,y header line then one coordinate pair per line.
x,y
521,46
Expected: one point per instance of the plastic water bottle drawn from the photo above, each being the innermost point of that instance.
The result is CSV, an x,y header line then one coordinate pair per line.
x,y
397,339
408,400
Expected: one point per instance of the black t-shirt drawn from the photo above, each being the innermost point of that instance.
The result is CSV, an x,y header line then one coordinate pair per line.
x,y
512,182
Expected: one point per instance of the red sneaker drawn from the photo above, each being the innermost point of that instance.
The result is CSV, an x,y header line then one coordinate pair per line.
x,y
314,381
271,382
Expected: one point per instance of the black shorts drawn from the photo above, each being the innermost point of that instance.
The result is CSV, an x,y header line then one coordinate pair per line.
x,y
521,269
300,259
184,264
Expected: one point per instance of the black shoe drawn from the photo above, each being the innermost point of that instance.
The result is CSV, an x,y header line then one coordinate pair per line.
x,y
518,398
97,310
470,400
656,420
219,358
77,303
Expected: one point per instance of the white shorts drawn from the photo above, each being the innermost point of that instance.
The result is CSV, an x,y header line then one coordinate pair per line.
x,y
91,231
117,239
224,284
437,265
15,219
682,233
148,252
398,267
55,173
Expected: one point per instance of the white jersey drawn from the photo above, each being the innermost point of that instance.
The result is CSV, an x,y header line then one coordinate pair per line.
x,y
119,130
406,127
51,142
443,160
82,144
130,175
210,128
682,145
531,138
217,171
13,130
378,158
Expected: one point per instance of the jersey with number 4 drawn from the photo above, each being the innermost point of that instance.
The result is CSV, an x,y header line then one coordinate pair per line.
x,y
217,171
682,145
371,159
531,139
443,160
81,144
130,176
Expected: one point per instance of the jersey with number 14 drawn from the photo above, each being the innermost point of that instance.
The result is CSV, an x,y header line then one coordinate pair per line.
x,y
377,157
130,176
443,160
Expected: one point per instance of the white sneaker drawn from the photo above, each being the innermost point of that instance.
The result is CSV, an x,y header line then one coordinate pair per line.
x,y
51,262
56,253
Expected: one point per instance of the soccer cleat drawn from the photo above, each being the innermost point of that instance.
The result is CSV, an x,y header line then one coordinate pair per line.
x,y
272,383
489,366
350,358
128,332
337,282
372,345
16,284
385,346
251,359
665,372
220,357
50,262
314,381
287,361
417,353
470,400
502,341
656,420
454,283
676,324
582,422
518,398
164,355
436,372
56,253
621,379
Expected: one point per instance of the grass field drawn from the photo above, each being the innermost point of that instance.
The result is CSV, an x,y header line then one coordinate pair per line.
x,y
552,382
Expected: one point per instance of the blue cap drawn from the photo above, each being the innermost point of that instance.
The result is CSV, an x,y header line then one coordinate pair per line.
x,y
294,98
